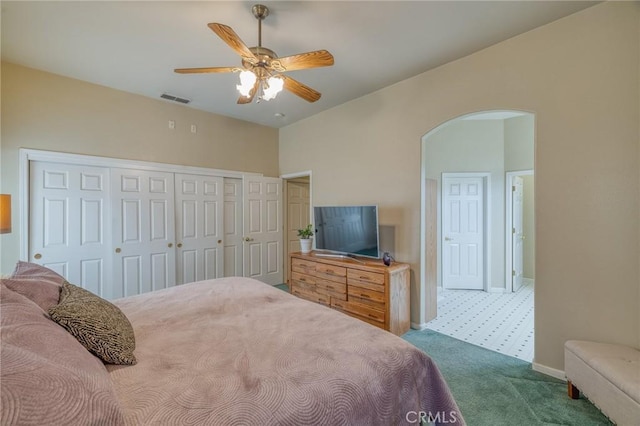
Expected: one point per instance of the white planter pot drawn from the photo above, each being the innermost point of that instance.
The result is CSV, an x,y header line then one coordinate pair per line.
x,y
305,245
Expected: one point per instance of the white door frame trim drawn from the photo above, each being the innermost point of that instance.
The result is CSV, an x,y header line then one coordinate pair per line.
x,y
27,155
285,212
508,224
486,179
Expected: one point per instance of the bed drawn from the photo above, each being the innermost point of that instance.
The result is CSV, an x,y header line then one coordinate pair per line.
x,y
234,351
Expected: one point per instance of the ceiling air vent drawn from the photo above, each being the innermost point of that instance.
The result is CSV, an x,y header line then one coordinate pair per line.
x,y
174,98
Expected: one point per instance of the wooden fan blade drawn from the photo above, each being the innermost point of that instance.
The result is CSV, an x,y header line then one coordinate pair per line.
x,y
319,58
231,38
252,93
205,70
299,89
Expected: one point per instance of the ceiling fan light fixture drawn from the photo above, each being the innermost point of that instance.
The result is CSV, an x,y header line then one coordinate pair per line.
x,y
272,87
247,81
260,64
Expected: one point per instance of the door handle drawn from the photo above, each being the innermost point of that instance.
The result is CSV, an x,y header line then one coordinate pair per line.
x,y
170,245
37,256
118,250
179,245
248,239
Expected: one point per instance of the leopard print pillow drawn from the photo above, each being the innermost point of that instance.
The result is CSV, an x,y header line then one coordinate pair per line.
x,y
97,324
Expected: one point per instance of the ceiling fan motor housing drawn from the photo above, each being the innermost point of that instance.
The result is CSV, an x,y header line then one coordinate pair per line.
x,y
260,11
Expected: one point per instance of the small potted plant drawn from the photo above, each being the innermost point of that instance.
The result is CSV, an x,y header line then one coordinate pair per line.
x,y
305,239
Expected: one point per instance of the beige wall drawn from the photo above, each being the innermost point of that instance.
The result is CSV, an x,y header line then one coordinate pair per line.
x,y
49,112
519,143
580,77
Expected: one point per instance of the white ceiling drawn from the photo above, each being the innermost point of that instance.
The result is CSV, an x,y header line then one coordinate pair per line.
x,y
134,46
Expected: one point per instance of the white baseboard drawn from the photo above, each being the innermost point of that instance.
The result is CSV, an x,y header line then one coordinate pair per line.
x,y
497,290
419,327
558,374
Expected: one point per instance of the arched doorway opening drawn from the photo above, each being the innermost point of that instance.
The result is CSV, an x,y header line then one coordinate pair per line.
x,y
478,235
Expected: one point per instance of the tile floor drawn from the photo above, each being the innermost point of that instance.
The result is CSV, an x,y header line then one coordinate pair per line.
x,y
501,322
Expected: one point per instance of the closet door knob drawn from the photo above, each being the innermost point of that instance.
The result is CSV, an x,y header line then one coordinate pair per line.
x,y
37,256
170,245
219,241
179,245
118,250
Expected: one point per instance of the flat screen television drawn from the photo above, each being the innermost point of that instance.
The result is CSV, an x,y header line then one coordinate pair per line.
x,y
347,230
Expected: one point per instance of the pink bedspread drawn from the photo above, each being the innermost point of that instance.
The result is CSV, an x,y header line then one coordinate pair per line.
x,y
237,351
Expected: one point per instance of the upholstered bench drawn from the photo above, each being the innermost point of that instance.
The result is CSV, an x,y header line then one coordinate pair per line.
x,y
608,375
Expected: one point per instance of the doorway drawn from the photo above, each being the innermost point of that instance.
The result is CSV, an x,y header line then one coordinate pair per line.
x,y
519,225
500,145
297,201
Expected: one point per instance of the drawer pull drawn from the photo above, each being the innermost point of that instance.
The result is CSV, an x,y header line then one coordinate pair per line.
x,y
303,279
366,296
330,287
364,278
371,316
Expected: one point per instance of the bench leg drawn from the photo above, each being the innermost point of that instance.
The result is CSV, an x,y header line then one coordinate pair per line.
x,y
573,391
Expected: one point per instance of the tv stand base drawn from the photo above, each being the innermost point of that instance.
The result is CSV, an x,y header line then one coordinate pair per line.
x,y
339,256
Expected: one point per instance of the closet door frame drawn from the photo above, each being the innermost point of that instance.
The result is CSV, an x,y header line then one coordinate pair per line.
x,y
28,155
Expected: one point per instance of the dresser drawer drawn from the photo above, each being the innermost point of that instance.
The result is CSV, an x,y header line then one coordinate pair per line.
x,y
307,279
310,295
362,310
331,270
364,293
332,286
303,285
333,289
380,306
321,276
303,266
372,278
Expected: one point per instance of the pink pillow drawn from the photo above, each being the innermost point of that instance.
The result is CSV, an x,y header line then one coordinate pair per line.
x,y
47,377
37,283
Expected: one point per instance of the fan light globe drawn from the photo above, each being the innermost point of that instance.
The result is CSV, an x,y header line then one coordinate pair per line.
x,y
274,86
247,80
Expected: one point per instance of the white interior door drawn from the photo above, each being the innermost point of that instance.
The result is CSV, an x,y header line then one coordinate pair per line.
x,y
69,223
143,231
233,227
199,228
463,233
263,229
517,233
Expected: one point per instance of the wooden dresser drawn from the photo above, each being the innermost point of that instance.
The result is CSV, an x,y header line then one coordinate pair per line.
x,y
369,291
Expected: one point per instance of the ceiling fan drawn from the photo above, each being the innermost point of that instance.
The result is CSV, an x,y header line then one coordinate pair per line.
x,y
261,68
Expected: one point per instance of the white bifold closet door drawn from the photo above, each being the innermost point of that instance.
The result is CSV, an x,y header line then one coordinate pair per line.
x,y
199,227
69,223
233,227
143,231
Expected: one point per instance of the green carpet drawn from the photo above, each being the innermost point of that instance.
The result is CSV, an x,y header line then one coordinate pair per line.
x,y
493,389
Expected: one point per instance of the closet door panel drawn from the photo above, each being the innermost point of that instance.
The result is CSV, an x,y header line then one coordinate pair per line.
x,y
199,209
68,222
233,227
144,231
